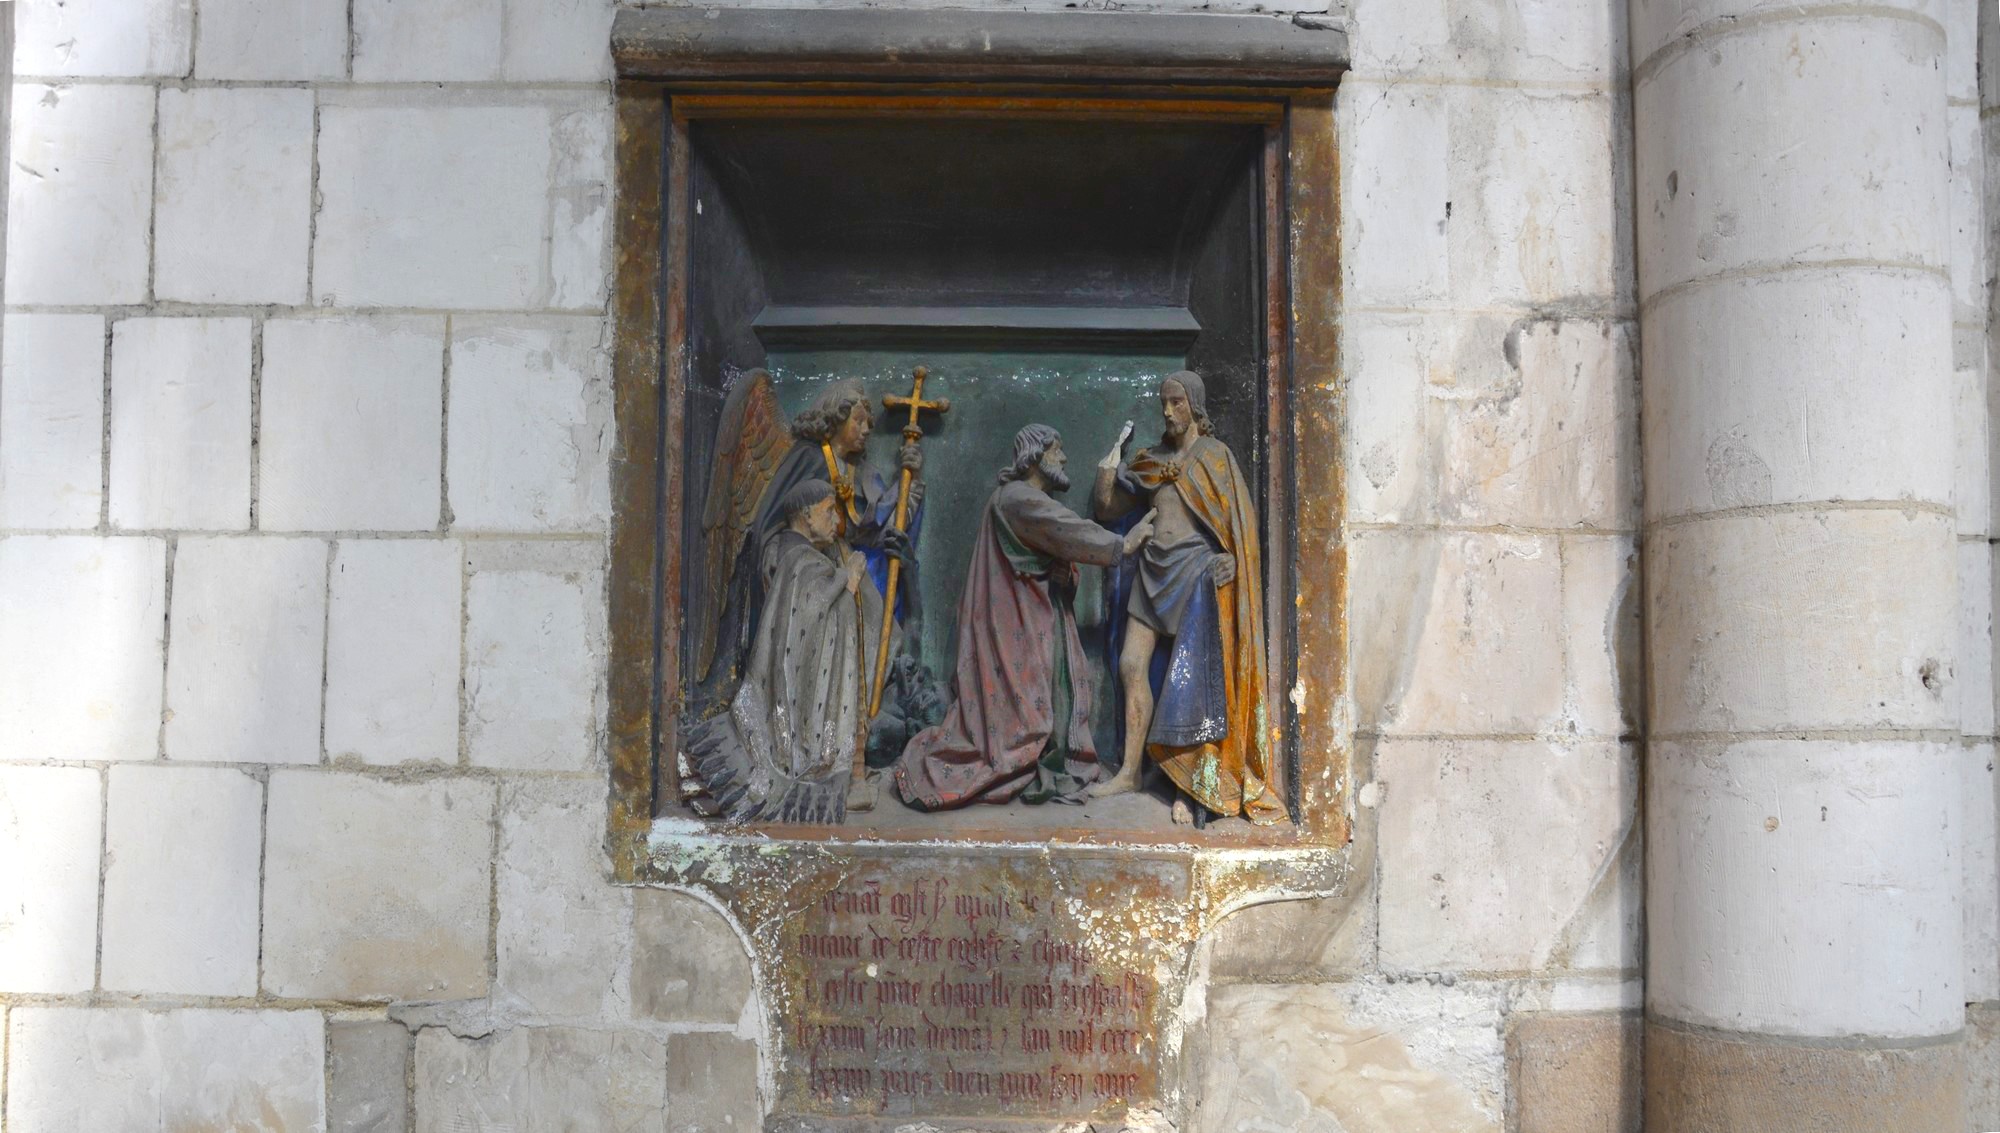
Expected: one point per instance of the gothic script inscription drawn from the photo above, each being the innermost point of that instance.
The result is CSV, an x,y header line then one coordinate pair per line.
x,y
972,986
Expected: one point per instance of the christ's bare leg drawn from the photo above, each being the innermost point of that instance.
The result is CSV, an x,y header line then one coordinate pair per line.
x,y
1135,663
1183,813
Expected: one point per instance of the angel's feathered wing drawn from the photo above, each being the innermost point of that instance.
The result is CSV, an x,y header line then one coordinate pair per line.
x,y
751,441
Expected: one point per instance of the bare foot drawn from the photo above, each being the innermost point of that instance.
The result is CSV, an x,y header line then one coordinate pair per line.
x,y
1123,783
1183,813
861,794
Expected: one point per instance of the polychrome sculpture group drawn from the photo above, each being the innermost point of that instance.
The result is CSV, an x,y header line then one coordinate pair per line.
x,y
802,539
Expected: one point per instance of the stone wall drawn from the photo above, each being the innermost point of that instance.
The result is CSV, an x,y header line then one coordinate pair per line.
x,y
304,428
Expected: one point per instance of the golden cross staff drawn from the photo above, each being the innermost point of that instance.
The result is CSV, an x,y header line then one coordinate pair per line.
x,y
911,435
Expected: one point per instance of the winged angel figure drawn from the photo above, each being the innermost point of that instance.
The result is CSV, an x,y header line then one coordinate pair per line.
x,y
796,536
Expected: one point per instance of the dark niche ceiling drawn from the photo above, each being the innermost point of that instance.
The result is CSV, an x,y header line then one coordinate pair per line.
x,y
897,212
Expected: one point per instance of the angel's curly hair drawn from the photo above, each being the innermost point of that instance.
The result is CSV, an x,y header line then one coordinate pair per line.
x,y
818,424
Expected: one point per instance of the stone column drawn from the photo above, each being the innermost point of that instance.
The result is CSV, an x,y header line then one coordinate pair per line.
x,y
1804,947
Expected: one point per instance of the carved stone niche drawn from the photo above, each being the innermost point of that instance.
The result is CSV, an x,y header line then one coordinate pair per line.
x,y
1050,212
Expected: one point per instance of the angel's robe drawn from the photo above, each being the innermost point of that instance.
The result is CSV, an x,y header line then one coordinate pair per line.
x,y
1019,724
784,751
744,599
1211,730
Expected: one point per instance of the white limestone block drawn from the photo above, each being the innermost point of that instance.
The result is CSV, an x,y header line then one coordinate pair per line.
x,y
433,206
126,1068
581,208
1535,187
1393,363
82,621
243,666
103,38
1989,48
1972,494
376,890
532,671
1975,641
1491,851
52,421
1353,1056
564,935
428,40
1717,191
1967,242
272,40
1778,869
79,196
180,883
542,1078
1570,41
1395,218
557,41
1602,605
180,424
1752,622
1810,385
530,425
1961,55
352,419
1422,667
1981,861
392,650
235,195
50,817
1660,23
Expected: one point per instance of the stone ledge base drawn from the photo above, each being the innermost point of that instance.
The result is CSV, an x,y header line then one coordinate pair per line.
x,y
1701,1083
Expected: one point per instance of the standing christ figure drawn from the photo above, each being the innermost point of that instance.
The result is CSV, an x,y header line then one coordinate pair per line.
x,y
1198,595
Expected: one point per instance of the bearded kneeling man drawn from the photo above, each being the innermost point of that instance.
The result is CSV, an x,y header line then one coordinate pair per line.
x,y
784,752
1019,724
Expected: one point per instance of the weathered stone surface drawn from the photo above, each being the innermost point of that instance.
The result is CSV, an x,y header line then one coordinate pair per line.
x,y
1972,495
52,421
81,636
1748,419
1491,851
532,674
367,1089
1967,204
432,206
72,1068
1982,1066
1754,844
1420,668
1602,616
1394,219
1360,1058
1573,41
180,880
50,816
352,417
271,40
1974,664
376,890
530,425
542,1078
688,964
1980,858
234,195
579,240
1656,26
1297,941
248,636
712,1084
1740,642
180,424
104,38
1697,1083
428,40
81,193
392,650
564,930
557,40
1877,185
1485,419
1574,1073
